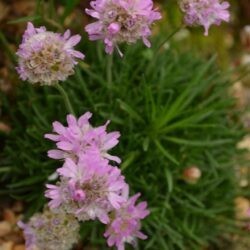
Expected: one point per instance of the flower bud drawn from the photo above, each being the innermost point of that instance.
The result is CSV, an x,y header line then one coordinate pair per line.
x,y
114,28
79,195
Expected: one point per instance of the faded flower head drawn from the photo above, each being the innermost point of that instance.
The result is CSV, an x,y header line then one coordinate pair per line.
x,y
89,189
46,57
205,12
79,137
121,21
50,231
125,225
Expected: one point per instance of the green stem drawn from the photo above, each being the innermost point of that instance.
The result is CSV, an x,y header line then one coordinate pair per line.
x,y
158,49
66,98
168,38
109,70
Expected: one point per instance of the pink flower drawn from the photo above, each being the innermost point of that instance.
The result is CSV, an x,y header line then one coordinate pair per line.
x,y
121,21
205,12
88,189
79,137
46,57
125,224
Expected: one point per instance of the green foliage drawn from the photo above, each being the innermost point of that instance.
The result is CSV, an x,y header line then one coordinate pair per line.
x,y
173,112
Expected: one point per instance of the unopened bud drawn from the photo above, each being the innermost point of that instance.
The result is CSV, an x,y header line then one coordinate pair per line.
x,y
113,28
79,195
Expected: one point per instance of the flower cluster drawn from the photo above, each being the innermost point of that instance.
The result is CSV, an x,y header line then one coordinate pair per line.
x,y
46,57
89,187
50,231
125,224
121,21
205,12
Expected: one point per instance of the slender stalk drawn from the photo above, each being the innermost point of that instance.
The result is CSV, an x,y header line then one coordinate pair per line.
x,y
109,70
168,38
158,49
66,98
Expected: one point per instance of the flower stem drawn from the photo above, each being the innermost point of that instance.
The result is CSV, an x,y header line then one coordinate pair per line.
x,y
168,38
66,98
158,49
109,70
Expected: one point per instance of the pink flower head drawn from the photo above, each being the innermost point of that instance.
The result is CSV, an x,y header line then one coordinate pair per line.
x,y
46,57
88,189
125,224
79,137
121,21
50,231
205,12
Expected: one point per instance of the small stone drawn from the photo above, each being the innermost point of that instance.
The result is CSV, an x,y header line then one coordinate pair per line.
x,y
242,206
5,228
15,237
7,246
192,174
19,247
8,215
245,37
238,91
244,143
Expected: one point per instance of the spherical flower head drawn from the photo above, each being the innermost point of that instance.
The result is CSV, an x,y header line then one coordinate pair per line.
x,y
121,21
50,231
46,57
125,225
205,12
79,137
89,189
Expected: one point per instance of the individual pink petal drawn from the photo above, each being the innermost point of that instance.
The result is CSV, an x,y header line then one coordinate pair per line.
x,y
56,154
